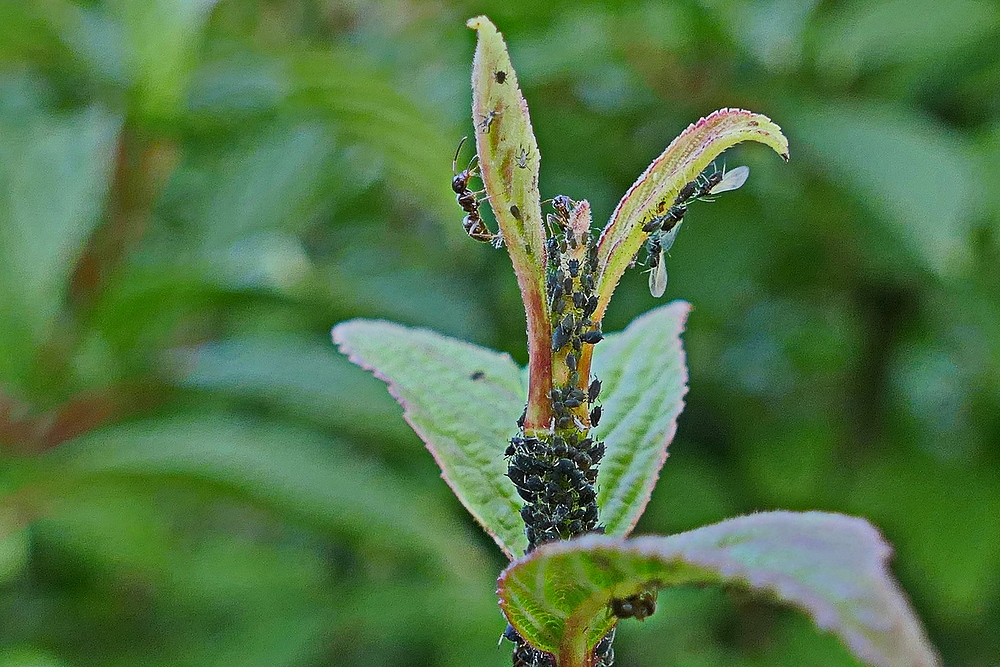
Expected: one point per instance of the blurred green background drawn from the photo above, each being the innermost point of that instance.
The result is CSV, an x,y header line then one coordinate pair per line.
x,y
193,192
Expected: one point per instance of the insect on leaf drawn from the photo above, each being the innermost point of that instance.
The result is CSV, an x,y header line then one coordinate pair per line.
x,y
509,162
655,190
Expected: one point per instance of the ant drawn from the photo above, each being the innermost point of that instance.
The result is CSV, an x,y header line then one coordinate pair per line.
x,y
473,224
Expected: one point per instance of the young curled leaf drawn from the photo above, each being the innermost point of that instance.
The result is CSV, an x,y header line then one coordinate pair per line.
x,y
831,566
509,161
655,190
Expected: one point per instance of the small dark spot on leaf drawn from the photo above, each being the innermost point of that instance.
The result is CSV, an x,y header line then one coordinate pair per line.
x,y
477,375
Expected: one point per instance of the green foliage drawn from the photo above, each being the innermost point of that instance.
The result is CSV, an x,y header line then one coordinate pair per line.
x,y
156,274
831,566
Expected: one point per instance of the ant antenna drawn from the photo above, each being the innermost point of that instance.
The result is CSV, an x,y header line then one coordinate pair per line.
x,y
454,162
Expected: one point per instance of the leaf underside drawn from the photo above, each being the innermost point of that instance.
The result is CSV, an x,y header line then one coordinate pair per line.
x,y
831,566
463,401
644,380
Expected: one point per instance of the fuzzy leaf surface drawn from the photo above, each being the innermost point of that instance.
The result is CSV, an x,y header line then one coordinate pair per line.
x,y
655,190
831,566
509,162
644,380
463,401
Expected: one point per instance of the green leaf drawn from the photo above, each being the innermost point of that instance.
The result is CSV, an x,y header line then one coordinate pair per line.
x,y
292,470
831,566
54,175
162,38
655,190
303,376
463,401
910,168
505,142
916,32
644,381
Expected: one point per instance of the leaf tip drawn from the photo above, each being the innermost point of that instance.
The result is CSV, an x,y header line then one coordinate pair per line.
x,y
478,22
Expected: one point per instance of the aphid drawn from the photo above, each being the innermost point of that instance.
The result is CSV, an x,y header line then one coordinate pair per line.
x,y
472,223
686,192
500,76
510,451
657,247
724,181
524,415
569,322
558,307
568,285
574,267
594,390
571,361
593,337
590,306
572,403
515,211
477,375
559,338
595,415
488,120
522,158
579,299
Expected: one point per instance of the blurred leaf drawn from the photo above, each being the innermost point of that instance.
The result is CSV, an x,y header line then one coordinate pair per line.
x,y
644,381
831,566
162,39
912,499
366,108
266,187
295,471
463,401
886,32
53,180
304,377
772,30
912,169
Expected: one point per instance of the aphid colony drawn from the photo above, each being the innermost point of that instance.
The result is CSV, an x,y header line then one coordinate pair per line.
x,y
663,229
555,471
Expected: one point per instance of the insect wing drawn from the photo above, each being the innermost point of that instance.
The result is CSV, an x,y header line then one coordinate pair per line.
x,y
731,180
667,238
658,278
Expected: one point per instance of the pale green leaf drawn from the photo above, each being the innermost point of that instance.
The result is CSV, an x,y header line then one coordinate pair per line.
x,y
831,566
463,401
644,381
509,162
655,190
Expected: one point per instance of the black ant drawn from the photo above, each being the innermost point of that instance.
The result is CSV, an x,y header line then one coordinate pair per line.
x,y
473,224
